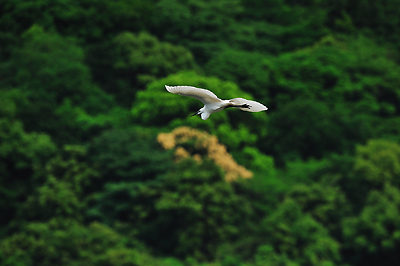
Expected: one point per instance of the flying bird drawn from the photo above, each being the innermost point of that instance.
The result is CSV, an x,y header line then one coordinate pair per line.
x,y
212,103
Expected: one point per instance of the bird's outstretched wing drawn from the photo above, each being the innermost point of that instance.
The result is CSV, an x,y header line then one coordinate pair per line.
x,y
205,96
253,106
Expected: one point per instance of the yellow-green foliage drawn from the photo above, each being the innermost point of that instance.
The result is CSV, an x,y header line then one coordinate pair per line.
x,y
379,162
199,143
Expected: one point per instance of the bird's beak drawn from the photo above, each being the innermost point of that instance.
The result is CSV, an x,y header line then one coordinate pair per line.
x,y
195,114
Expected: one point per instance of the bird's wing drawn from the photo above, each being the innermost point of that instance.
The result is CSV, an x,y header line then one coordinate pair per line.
x,y
205,96
253,105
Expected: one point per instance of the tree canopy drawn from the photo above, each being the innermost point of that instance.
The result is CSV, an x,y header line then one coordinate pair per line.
x,y
100,165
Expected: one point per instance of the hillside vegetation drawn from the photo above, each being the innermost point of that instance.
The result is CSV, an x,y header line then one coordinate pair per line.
x,y
100,165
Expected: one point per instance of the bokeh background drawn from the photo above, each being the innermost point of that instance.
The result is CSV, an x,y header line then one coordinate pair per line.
x,y
100,165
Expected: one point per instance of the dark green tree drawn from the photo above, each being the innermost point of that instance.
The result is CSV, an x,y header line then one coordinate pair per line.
x,y
49,70
326,203
128,155
67,242
201,26
311,129
376,164
138,59
354,71
22,154
374,236
251,71
295,238
188,212
293,23
67,177
90,20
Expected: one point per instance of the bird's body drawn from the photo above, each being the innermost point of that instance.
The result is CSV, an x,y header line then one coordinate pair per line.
x,y
212,103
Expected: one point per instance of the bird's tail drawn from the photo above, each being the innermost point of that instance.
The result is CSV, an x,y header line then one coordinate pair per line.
x,y
204,116
203,113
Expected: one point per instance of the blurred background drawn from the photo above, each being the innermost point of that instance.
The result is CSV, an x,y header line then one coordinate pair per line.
x,y
100,165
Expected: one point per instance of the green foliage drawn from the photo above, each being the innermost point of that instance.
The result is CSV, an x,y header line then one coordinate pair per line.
x,y
21,155
297,23
253,36
83,180
326,203
319,130
374,235
355,71
84,125
55,198
87,19
25,150
388,128
67,176
202,26
371,233
381,18
66,242
129,155
375,165
298,238
256,161
250,70
188,212
138,59
378,163
143,54
43,58
49,69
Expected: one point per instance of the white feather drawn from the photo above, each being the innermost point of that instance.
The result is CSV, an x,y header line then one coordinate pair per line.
x,y
205,96
204,116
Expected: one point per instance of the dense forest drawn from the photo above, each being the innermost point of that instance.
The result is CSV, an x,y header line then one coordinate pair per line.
x,y
100,165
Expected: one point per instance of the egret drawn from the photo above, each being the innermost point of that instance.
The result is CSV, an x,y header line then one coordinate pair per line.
x,y
212,103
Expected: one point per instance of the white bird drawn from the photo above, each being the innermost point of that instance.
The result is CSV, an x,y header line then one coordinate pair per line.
x,y
212,103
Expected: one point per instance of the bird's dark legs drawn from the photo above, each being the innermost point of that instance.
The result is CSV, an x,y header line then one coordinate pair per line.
x,y
195,114
240,106
231,105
